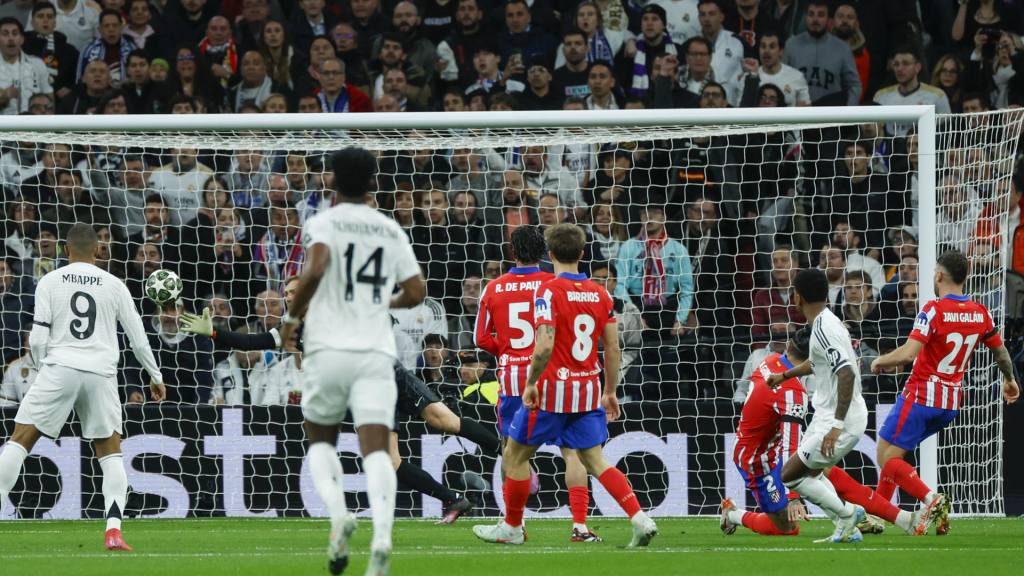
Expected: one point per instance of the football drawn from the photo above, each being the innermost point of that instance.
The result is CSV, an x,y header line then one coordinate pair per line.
x,y
163,286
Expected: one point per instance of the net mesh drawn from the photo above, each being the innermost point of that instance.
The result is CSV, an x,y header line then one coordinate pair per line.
x,y
744,208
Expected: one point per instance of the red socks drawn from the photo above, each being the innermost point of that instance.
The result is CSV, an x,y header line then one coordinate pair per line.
x,y
579,503
516,493
617,485
898,472
760,522
852,491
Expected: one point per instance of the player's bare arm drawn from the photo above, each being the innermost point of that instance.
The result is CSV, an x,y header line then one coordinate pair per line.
x,y
543,346
901,356
844,388
798,371
612,363
1011,391
413,291
317,258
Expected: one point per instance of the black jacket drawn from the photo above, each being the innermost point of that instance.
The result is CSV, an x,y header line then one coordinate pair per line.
x,y
64,57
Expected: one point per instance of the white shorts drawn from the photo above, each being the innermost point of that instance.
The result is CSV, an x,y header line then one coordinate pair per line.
x,y
335,381
59,389
810,446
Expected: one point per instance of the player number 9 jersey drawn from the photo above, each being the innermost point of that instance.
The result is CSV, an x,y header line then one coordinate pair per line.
x,y
579,310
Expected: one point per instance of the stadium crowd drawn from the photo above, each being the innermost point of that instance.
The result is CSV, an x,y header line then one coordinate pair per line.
x,y
697,238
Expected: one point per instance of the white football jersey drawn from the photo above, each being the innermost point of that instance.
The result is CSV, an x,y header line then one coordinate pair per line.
x,y
182,193
81,305
370,254
831,350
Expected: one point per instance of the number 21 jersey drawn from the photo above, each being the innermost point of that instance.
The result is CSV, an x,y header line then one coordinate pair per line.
x,y
950,329
579,310
370,254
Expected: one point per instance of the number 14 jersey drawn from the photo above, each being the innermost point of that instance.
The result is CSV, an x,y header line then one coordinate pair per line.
x,y
579,310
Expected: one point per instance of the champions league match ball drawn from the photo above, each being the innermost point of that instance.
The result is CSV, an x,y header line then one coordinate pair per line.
x,y
163,286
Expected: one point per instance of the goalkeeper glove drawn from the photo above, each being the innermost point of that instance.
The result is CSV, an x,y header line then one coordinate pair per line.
x,y
202,325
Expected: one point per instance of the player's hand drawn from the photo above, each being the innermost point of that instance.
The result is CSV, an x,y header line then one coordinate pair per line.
x,y
531,397
136,398
611,407
775,380
828,445
1011,391
797,511
157,391
202,325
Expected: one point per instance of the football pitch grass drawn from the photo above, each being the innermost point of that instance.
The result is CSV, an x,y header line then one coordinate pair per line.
x,y
684,546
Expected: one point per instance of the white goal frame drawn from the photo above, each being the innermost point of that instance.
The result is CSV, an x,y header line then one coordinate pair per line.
x,y
923,117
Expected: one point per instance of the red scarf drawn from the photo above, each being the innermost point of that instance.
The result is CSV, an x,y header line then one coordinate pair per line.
x,y
654,267
230,56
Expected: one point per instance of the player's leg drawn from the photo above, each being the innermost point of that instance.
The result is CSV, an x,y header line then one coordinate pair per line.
x,y
412,476
579,496
587,433
42,412
852,491
99,408
324,404
115,488
803,475
13,455
771,497
440,417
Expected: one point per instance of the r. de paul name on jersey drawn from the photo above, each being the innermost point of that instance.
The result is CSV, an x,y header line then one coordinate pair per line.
x,y
516,286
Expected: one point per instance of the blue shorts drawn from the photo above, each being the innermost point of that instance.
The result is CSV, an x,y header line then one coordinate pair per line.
x,y
506,409
910,423
580,430
769,491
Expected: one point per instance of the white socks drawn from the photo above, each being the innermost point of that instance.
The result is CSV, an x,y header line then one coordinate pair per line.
x,y
115,489
819,490
325,468
580,527
903,520
11,458
736,515
381,484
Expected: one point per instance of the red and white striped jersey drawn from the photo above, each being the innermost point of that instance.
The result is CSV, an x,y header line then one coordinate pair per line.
x,y
771,420
579,310
504,325
950,328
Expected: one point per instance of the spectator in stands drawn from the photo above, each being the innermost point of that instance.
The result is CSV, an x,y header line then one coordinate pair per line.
x,y
948,76
750,23
19,375
20,228
908,90
393,57
111,48
456,50
368,22
180,182
627,315
608,230
139,92
826,61
308,21
771,70
277,53
954,208
218,51
406,20
462,324
255,85
279,253
468,233
47,254
889,296
654,271
42,104
21,75
248,29
571,80
336,94
186,363
78,20
603,91
602,43
517,206
248,179
774,310
16,305
489,78
860,311
708,241
653,41
857,256
269,308
996,68
832,261
524,43
846,27
346,45
776,344
908,300
539,94
418,322
407,97
681,18
139,28
672,90
53,48
74,204
726,48
196,81
539,175
974,16
438,363
146,258
865,196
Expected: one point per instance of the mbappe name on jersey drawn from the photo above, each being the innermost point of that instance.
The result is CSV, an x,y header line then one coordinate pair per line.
x,y
81,279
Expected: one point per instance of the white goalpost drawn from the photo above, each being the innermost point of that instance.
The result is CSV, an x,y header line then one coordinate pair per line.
x,y
749,195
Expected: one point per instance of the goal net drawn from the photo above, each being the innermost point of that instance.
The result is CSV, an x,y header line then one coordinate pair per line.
x,y
696,220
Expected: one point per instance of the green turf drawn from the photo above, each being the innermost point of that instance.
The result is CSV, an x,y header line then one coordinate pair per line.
x,y
690,546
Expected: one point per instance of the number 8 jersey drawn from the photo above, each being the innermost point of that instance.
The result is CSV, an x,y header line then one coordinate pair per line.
x,y
950,328
578,309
